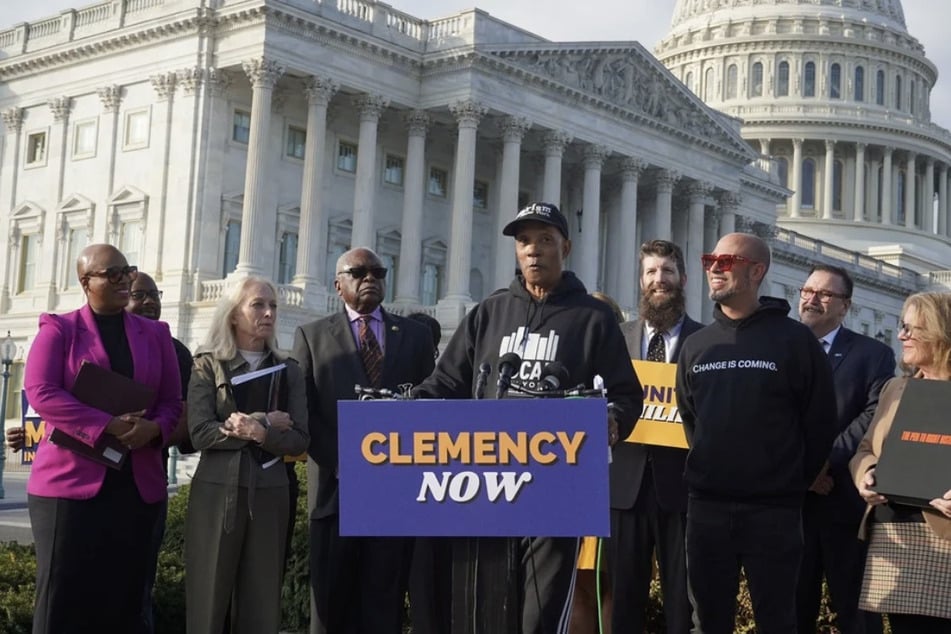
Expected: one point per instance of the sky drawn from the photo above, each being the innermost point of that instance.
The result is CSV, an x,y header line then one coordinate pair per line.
x,y
645,21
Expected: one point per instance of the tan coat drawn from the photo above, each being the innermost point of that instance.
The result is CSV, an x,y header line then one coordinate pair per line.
x,y
866,457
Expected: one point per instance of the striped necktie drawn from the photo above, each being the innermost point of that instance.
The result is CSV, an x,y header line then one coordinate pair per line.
x,y
370,352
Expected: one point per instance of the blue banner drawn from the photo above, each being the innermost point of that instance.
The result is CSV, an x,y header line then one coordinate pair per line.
x,y
474,468
34,427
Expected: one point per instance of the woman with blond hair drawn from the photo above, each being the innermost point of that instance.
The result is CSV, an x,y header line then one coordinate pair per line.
x,y
235,532
908,568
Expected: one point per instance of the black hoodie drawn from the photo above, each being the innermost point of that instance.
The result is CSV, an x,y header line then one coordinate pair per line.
x,y
568,326
758,405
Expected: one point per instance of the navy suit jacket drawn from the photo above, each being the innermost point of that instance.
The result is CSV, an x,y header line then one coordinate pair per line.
x,y
630,459
327,353
860,367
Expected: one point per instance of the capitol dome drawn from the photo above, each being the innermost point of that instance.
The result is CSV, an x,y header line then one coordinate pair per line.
x,y
837,94
691,13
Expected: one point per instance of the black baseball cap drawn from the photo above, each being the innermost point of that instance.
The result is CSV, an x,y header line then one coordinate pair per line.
x,y
539,212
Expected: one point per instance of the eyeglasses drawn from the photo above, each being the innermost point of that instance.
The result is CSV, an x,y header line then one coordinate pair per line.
x,y
907,330
360,272
724,261
824,296
141,295
115,274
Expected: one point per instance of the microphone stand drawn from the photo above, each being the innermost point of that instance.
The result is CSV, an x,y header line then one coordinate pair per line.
x,y
486,588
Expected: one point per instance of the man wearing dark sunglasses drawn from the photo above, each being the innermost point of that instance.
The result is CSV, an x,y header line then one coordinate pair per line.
x,y
755,393
833,509
358,583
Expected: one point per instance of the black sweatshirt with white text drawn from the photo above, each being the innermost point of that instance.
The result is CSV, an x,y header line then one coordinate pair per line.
x,y
758,404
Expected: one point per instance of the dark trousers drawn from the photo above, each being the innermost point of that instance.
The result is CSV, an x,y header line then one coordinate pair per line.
x,y
548,572
358,583
430,585
832,550
158,533
635,533
92,558
918,624
766,541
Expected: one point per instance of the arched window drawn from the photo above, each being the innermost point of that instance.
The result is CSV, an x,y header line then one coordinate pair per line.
x,y
878,194
732,76
897,92
837,168
809,80
880,88
782,166
912,85
782,80
232,243
688,80
859,83
835,82
709,86
808,186
756,83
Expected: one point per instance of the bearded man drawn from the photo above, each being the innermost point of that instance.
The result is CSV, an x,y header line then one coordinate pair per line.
x,y
648,494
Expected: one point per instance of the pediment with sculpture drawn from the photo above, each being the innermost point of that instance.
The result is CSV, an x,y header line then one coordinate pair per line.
x,y
627,79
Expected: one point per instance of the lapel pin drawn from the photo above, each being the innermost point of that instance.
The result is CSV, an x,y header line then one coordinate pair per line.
x,y
394,328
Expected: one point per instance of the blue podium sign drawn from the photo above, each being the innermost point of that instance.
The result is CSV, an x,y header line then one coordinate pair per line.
x,y
474,468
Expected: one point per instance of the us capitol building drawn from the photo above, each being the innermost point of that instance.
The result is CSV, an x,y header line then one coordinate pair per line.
x,y
214,139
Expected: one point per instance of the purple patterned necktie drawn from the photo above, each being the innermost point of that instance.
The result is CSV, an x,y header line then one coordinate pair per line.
x,y
370,352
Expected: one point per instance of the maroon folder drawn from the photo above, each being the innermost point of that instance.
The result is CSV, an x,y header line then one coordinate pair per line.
x,y
114,394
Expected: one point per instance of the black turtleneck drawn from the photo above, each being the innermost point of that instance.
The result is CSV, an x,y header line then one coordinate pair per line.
x,y
112,334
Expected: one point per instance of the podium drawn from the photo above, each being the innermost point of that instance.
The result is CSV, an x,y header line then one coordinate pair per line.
x,y
482,473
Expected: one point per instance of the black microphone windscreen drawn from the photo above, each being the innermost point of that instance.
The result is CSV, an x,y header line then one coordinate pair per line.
x,y
509,359
555,376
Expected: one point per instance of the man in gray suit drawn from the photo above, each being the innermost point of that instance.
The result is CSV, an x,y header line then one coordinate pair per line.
x,y
358,583
648,493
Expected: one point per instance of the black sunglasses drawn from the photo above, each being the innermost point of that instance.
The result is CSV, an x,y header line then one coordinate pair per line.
x,y
115,273
360,272
141,295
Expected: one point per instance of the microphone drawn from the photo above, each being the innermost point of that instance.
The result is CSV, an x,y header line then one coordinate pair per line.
x,y
481,380
508,365
554,377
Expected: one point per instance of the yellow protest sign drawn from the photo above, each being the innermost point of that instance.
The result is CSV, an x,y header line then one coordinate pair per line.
x,y
659,423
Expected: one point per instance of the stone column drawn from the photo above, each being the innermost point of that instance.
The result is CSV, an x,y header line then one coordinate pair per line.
x,y
555,143
57,151
111,98
631,169
927,198
312,227
663,213
888,178
943,199
699,193
513,131
729,203
370,108
411,242
587,269
710,235
13,124
911,180
264,74
467,114
829,177
795,209
153,245
858,213
764,147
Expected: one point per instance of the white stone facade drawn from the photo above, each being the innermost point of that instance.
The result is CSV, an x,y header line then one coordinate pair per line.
x,y
212,140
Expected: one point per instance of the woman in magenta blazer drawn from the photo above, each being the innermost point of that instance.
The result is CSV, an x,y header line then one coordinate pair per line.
x,y
92,523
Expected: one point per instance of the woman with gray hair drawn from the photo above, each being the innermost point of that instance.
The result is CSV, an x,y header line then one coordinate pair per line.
x,y
247,409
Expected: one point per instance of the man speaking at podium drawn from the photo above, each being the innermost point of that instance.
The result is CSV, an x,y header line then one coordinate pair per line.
x,y
544,316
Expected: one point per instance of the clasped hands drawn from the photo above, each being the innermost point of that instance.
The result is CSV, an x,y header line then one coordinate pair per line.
x,y
134,430
251,428
942,504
